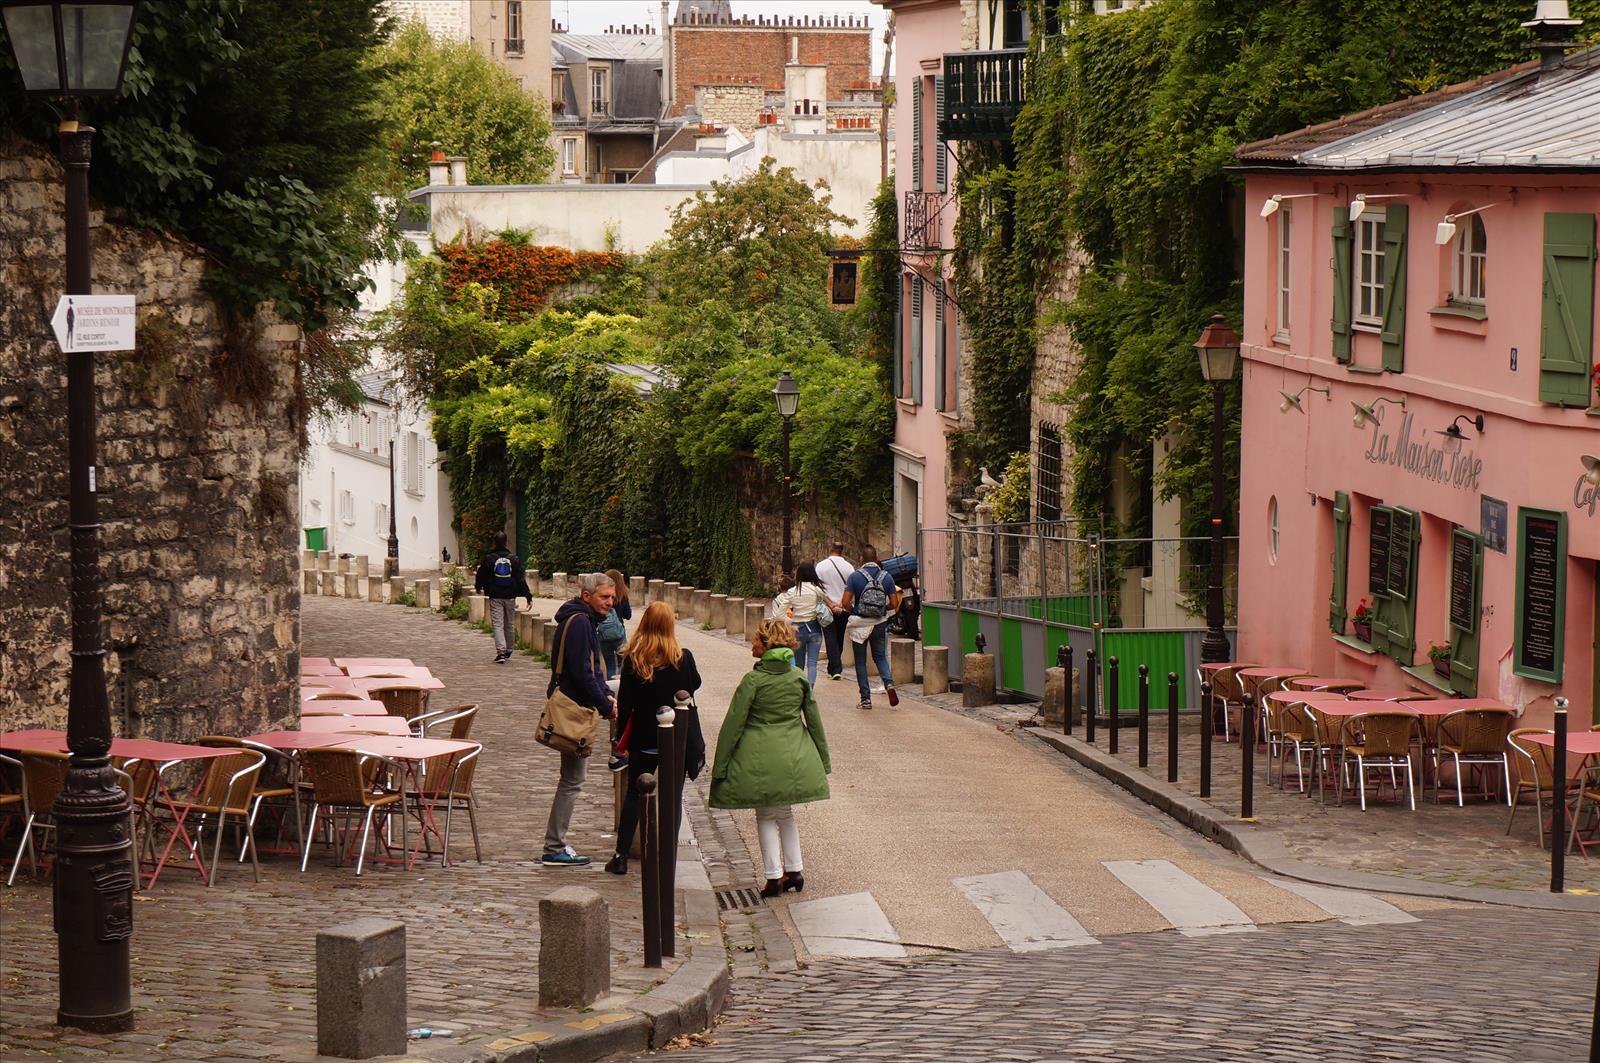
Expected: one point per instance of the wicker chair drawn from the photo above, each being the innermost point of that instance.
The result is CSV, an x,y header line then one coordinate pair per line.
x,y
43,776
401,699
1326,750
227,790
1272,707
459,718
1473,737
1225,687
1379,740
275,784
11,802
447,785
345,780
1588,791
1535,774
1297,730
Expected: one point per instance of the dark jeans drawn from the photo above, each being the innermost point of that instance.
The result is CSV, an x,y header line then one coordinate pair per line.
x,y
638,764
833,636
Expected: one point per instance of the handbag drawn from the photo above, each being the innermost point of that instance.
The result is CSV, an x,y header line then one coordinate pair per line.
x,y
824,611
566,726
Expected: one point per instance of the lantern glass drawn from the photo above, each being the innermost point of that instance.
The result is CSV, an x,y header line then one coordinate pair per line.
x,y
1217,363
70,49
32,31
787,395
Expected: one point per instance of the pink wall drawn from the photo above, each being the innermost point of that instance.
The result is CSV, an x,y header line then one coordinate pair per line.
x,y
1528,455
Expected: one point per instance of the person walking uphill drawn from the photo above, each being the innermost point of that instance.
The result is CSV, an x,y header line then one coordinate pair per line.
x,y
772,754
834,572
501,579
580,674
871,598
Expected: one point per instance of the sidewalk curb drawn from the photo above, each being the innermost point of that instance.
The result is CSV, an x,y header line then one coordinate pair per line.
x,y
1266,848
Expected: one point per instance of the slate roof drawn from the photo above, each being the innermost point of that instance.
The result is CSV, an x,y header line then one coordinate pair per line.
x,y
378,387
628,47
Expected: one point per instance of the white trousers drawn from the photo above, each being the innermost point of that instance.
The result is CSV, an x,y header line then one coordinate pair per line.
x,y
780,840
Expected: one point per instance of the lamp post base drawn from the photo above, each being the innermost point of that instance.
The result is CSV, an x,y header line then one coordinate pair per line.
x,y
1215,648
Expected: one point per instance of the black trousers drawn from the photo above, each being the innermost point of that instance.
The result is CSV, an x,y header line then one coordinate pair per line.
x,y
833,638
638,764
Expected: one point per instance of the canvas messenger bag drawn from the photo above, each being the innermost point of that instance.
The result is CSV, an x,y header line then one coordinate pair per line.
x,y
566,726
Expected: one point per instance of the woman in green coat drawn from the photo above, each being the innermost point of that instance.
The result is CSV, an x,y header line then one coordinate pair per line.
x,y
772,754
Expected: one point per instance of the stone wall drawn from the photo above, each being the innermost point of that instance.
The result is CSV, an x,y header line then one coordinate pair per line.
x,y
196,485
813,527
737,105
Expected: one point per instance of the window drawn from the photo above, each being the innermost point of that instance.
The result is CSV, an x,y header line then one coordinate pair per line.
x,y
412,463
1470,282
513,26
380,520
622,177
1272,529
599,97
558,90
347,507
1048,502
352,430
844,284
1285,237
569,154
1369,269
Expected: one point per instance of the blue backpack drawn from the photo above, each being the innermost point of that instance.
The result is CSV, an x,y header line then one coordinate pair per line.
x,y
502,572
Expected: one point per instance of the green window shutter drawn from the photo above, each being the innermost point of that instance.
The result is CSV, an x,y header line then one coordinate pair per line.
x,y
1341,283
939,354
1378,548
1394,288
941,163
916,338
1566,333
1397,611
1466,587
899,339
916,134
1341,562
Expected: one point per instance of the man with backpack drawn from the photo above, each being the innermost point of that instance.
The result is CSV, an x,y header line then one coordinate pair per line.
x,y
871,598
501,579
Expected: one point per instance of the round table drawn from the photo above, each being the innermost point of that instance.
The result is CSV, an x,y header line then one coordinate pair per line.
x,y
1325,682
1390,695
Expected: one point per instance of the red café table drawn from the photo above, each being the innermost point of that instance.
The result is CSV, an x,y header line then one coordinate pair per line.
x,y
1582,744
1255,676
366,686
385,662
375,671
316,684
410,754
1325,682
1390,695
389,725
341,707
316,662
323,671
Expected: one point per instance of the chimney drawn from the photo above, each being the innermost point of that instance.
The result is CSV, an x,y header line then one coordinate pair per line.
x,y
1552,27
666,61
438,168
458,169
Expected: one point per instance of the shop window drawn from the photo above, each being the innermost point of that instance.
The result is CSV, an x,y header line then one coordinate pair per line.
x,y
1368,294
1469,284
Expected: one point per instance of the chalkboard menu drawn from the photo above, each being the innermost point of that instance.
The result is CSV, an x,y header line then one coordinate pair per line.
x,y
1463,582
1539,609
1400,553
1378,552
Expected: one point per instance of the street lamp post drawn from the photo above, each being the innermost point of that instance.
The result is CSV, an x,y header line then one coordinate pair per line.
x,y
391,563
1219,352
786,393
75,50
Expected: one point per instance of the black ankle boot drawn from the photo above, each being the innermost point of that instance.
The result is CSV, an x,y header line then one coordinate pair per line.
x,y
773,888
617,865
794,880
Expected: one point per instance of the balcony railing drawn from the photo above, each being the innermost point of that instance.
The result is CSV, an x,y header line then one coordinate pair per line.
x,y
514,45
921,231
983,91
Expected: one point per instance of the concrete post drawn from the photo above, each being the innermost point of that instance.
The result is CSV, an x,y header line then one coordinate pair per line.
x,y
525,630
636,592
330,583
341,564
362,567
361,988
754,613
532,576
549,640
735,610
717,611
669,594
702,606
424,590
655,591
558,582
574,948
308,559
477,608
903,661
977,680
1053,709
311,581
352,585
374,589
397,587
935,669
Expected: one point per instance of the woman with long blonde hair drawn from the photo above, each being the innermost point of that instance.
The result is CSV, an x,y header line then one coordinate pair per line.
x,y
655,667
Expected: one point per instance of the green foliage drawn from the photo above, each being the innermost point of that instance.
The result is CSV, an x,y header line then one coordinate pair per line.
x,y
880,280
407,598
456,609
1010,500
447,92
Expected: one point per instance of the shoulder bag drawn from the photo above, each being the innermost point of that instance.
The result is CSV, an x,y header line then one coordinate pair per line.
x,y
566,726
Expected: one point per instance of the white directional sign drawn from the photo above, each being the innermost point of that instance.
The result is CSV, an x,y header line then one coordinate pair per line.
x,y
94,323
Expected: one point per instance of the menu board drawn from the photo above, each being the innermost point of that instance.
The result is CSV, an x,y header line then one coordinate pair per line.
x,y
1400,553
1378,553
1539,648
1463,582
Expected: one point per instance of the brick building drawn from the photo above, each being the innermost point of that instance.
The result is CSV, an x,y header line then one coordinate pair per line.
x,y
709,46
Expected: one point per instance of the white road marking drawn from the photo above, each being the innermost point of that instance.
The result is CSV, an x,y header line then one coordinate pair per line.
x,y
1024,916
1348,906
848,925
1191,906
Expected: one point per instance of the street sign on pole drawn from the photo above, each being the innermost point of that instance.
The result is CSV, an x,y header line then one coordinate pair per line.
x,y
94,323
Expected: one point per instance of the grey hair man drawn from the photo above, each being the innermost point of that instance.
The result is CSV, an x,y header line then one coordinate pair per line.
x,y
581,677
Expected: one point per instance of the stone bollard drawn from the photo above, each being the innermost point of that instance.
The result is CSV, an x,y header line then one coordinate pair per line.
x,y
936,669
424,592
702,606
525,626
532,576
1052,708
655,591
735,615
548,639
311,581
397,587
341,564
717,611
903,661
669,594
330,583
308,559
477,608
363,567
636,592
574,948
361,988
977,680
558,583
686,602
754,613
352,585
324,561
374,589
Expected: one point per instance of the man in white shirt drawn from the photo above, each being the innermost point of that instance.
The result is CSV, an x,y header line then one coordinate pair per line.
x,y
834,571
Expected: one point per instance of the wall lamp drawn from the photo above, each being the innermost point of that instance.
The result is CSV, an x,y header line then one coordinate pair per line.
x,y
1358,205
1455,432
1270,207
1591,470
1368,411
1447,228
1292,401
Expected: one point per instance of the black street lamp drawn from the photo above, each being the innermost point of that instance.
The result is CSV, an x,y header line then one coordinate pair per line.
x,y
73,50
391,563
1219,353
786,393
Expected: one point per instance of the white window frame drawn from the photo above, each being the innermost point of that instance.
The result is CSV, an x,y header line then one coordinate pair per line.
x,y
514,20
1366,274
599,90
1285,252
380,519
1471,250
415,455
347,507
569,155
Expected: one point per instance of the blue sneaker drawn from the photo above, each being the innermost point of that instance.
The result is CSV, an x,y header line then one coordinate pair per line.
x,y
564,858
618,762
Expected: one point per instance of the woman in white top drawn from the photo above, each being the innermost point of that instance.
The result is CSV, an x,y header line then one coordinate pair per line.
x,y
801,605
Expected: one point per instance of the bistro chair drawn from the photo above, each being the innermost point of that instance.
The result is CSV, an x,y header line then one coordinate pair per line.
x,y
228,789
459,719
43,776
1326,750
401,699
1297,730
11,802
275,785
447,786
345,781
1535,774
1473,737
1225,688
1272,706
1588,787
1379,740
138,777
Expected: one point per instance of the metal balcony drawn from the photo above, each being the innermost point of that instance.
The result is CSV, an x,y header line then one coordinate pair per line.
x,y
514,45
983,91
922,214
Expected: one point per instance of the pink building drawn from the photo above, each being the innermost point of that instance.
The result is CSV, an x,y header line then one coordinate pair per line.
x,y
1421,432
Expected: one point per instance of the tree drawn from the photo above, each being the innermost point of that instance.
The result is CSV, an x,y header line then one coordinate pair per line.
x,y
446,92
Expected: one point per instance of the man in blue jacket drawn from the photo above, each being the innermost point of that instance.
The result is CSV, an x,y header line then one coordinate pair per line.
x,y
500,578
583,679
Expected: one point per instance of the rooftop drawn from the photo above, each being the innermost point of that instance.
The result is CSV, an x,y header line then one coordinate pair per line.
x,y
629,47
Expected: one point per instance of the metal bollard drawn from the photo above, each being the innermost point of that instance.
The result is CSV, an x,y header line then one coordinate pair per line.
x,y
1064,659
666,828
649,888
1172,726
1088,696
1247,737
681,705
1144,716
1206,728
1558,814
1113,708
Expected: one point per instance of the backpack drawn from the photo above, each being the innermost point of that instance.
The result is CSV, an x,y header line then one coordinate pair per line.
x,y
873,601
502,572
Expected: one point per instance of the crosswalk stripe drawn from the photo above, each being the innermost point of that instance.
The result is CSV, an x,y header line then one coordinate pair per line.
x,y
1348,906
1191,906
1024,916
848,925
